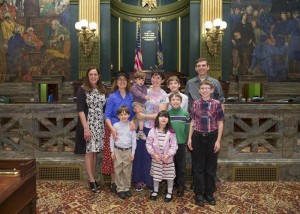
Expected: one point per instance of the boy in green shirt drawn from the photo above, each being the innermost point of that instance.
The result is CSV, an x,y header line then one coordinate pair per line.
x,y
180,122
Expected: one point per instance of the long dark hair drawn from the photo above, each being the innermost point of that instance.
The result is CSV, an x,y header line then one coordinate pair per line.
x,y
163,113
87,85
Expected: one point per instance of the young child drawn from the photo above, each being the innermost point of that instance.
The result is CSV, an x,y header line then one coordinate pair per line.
x,y
180,121
204,140
139,92
161,144
122,152
173,84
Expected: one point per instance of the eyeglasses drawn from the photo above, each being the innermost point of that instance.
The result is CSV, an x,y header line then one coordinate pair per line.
x,y
205,88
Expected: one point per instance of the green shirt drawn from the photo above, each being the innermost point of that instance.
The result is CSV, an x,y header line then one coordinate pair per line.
x,y
180,122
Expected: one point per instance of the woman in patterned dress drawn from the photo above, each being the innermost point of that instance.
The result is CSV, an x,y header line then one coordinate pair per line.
x,y
90,126
120,96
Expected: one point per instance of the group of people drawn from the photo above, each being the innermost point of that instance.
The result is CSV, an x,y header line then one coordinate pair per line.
x,y
266,40
144,132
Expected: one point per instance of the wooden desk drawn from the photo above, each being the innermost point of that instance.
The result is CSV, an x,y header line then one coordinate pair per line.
x,y
18,186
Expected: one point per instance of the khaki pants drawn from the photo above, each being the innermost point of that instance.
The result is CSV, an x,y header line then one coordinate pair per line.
x,y
123,169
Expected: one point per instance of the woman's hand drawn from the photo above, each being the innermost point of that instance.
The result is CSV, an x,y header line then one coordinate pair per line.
x,y
87,135
141,116
114,133
132,126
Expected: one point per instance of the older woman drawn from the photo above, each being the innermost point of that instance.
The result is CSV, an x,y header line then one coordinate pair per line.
x,y
120,96
142,162
90,126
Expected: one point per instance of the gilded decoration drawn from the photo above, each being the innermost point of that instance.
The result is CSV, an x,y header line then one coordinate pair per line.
x,y
139,13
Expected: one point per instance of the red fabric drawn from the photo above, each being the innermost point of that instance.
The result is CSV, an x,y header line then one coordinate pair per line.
x,y
138,61
107,163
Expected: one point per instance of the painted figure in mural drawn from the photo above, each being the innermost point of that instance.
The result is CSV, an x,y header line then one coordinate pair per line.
x,y
59,39
65,16
245,48
7,27
2,53
280,32
53,8
8,7
236,44
31,8
257,33
266,22
293,30
235,17
16,64
31,39
268,59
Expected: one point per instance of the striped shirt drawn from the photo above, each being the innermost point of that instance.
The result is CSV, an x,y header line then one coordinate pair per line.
x,y
206,115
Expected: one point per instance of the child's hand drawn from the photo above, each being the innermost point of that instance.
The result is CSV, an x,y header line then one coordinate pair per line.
x,y
156,157
113,156
217,147
165,159
189,143
131,157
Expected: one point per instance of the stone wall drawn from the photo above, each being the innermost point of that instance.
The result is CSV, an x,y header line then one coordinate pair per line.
x,y
254,135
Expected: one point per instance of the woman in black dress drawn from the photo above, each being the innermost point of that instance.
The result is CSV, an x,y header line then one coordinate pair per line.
x,y
90,126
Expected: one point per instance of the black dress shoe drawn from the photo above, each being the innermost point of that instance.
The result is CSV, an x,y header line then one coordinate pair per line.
x,y
153,196
210,199
166,199
180,191
128,193
192,186
121,195
113,188
94,187
199,200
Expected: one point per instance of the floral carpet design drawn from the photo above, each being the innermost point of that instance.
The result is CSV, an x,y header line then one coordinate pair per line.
x,y
232,197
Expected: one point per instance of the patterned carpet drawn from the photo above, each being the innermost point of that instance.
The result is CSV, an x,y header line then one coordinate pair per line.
x,y
232,197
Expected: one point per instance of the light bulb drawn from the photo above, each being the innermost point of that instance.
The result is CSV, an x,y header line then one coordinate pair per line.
x,y
217,22
77,26
93,26
84,23
208,25
223,25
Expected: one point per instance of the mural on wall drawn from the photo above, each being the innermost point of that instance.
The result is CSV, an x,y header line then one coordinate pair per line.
x,y
265,38
34,39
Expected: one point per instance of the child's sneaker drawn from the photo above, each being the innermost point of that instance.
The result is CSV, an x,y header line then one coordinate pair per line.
x,y
142,135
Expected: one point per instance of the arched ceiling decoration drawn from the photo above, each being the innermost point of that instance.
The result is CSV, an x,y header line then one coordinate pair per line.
x,y
135,13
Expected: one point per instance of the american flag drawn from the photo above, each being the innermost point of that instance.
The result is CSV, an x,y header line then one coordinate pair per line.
x,y
159,51
138,61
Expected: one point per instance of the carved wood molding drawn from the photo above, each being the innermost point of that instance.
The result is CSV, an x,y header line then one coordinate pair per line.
x,y
137,13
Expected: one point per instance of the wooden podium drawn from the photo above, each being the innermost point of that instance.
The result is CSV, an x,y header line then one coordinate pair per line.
x,y
18,186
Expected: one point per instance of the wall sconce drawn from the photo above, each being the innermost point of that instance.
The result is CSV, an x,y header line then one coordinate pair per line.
x,y
86,36
214,33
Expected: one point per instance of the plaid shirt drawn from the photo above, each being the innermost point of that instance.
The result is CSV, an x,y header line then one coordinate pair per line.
x,y
206,115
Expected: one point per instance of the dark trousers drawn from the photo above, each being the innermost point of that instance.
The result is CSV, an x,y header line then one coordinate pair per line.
x,y
180,165
204,162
